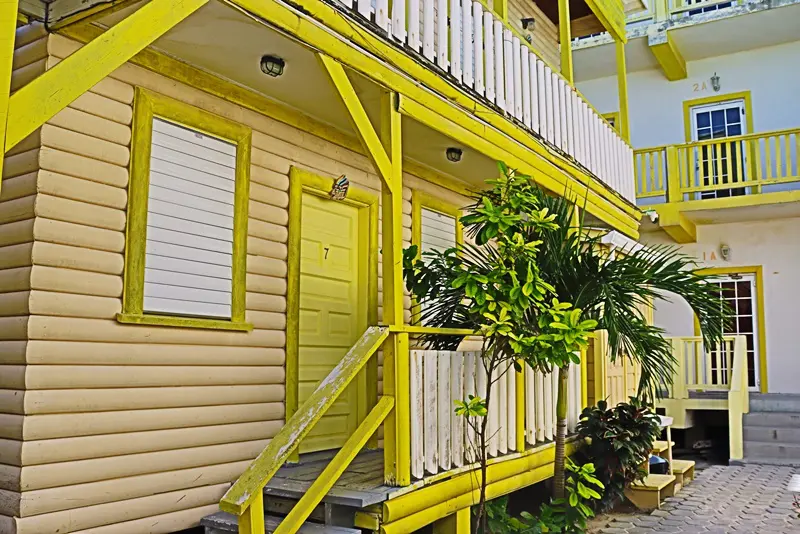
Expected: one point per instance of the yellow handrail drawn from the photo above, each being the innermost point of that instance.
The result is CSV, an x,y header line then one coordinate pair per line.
x,y
743,163
248,488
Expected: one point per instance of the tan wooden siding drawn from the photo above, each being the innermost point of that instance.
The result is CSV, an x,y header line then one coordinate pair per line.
x,y
17,214
112,428
544,36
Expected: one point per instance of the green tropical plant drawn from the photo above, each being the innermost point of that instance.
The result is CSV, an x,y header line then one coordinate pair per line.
x,y
618,442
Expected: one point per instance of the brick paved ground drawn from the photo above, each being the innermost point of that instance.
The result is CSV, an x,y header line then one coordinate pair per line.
x,y
722,500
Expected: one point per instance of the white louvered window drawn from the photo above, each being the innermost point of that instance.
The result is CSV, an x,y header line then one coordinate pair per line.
x,y
437,233
188,267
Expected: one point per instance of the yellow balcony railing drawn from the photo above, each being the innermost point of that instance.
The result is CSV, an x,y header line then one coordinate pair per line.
x,y
732,166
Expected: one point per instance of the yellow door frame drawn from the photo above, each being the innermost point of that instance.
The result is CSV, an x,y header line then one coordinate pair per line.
x,y
302,181
758,272
716,99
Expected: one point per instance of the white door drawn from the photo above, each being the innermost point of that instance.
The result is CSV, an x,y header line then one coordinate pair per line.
x,y
739,291
725,162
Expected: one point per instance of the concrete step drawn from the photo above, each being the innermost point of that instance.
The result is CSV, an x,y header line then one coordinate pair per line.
x,y
774,402
755,450
772,434
767,461
223,523
772,419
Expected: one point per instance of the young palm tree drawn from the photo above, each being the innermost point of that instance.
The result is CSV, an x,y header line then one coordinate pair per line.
x,y
611,290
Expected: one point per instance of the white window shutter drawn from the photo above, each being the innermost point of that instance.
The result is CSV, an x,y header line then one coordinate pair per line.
x,y
190,213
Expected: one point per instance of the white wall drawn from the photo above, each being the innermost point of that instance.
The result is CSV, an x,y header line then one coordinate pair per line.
x,y
775,245
656,104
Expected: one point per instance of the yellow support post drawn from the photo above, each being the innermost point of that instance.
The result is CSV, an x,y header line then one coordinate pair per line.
x,y
386,153
8,26
565,36
457,523
622,89
40,100
252,520
520,408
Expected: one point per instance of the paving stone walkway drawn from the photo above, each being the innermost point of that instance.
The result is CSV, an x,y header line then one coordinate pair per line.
x,y
723,500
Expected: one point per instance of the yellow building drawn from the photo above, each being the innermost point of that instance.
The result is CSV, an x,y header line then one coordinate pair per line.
x,y
716,131
202,212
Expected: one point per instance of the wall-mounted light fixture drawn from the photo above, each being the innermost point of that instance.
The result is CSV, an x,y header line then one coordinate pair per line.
x,y
715,83
528,24
725,252
454,154
272,65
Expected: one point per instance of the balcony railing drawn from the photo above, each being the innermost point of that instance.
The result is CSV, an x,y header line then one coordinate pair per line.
x,y
482,54
733,166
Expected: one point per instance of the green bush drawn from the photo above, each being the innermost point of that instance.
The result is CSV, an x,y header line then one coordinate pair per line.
x,y
618,441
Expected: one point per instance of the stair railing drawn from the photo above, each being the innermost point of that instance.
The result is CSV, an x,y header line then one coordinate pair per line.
x,y
738,398
245,498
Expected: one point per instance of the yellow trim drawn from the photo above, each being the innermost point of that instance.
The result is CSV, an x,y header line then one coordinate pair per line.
x,y
450,103
565,41
8,24
244,491
301,181
668,56
612,116
716,99
40,100
622,122
91,14
148,105
457,523
758,272
413,510
611,14
252,520
325,481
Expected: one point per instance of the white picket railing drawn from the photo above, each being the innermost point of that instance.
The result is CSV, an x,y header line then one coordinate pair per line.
x,y
441,440
485,56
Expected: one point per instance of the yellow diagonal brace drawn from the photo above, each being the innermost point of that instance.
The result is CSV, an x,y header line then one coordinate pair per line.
x,y
8,25
334,470
668,55
40,100
366,133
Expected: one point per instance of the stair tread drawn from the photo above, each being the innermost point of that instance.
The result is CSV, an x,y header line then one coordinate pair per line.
x,y
225,522
773,443
766,460
682,466
653,483
660,446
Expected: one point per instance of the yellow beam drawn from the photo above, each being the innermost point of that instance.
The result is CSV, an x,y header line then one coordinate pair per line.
x,y
495,145
358,117
325,481
676,224
40,100
244,491
399,72
668,56
565,38
252,520
623,127
611,14
8,26
457,523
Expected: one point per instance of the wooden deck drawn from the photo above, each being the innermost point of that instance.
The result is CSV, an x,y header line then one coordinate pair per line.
x,y
359,486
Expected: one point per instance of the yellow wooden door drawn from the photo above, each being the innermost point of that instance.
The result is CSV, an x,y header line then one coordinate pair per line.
x,y
331,312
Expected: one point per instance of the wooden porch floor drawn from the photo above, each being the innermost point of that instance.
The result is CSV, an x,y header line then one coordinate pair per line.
x,y
359,486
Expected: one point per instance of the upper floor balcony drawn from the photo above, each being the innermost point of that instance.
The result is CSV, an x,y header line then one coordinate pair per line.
x,y
741,177
494,66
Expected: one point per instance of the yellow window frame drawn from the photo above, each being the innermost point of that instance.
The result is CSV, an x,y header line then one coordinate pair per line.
x,y
613,116
716,99
761,319
147,106
419,200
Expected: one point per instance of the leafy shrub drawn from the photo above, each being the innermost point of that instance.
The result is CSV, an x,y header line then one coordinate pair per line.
x,y
618,441
562,516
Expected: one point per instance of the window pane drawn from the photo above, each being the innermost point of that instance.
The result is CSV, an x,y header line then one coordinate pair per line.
x,y
703,120
744,307
745,324
733,115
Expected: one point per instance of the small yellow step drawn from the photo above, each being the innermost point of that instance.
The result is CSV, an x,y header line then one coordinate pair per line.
x,y
660,447
683,470
648,493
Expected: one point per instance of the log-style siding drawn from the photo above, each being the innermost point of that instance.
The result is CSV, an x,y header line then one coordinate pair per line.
x,y
107,427
544,36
